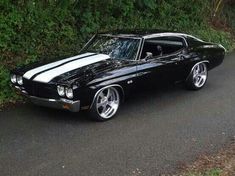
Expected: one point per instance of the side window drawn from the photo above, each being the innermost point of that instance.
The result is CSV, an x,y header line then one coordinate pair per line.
x,y
162,46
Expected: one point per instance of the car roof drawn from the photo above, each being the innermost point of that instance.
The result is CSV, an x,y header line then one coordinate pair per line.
x,y
135,32
143,33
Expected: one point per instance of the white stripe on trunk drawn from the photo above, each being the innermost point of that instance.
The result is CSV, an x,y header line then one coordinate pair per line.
x,y
47,76
29,74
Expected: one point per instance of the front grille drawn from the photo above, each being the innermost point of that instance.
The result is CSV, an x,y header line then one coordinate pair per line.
x,y
42,90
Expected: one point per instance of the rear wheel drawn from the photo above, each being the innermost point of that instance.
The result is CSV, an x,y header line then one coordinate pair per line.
x,y
198,77
106,104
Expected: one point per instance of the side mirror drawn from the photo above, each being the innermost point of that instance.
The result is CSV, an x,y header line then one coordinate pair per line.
x,y
149,55
185,51
185,54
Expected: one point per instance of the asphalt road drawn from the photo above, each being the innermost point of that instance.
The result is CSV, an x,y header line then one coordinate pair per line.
x,y
155,131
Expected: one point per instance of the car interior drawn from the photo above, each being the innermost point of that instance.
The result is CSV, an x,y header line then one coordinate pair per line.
x,y
162,46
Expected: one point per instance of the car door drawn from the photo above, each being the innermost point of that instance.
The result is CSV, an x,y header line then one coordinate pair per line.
x,y
165,61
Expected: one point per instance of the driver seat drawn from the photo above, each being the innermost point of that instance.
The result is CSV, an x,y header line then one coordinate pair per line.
x,y
159,49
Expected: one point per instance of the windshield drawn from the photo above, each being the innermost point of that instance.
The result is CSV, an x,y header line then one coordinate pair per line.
x,y
115,47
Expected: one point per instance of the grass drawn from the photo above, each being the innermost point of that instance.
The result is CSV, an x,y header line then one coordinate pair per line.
x,y
218,164
211,172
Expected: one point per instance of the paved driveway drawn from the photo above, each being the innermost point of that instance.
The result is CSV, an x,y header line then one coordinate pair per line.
x,y
155,131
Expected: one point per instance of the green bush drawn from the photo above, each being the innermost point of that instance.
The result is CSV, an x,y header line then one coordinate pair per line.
x,y
6,93
229,15
30,30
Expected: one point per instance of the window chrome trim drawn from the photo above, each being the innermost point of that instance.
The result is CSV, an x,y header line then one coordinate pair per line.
x,y
172,54
185,45
87,43
165,34
139,53
128,36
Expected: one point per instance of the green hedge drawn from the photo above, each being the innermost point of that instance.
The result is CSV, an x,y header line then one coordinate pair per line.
x,y
30,30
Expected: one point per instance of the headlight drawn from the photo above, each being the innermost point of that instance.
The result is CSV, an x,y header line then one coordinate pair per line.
x,y
13,78
69,93
19,80
61,90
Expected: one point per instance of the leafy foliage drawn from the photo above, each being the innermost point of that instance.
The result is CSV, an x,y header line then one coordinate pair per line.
x,y
6,92
229,15
36,29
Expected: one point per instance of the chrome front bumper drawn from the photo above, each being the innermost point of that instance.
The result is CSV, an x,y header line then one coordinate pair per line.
x,y
73,106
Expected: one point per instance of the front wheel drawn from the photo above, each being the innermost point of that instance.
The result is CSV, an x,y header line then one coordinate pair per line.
x,y
106,104
198,77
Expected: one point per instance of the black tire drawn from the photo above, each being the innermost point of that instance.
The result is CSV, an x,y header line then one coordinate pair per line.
x,y
191,82
96,110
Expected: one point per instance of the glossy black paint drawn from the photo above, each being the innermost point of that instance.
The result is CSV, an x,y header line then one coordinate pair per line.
x,y
127,74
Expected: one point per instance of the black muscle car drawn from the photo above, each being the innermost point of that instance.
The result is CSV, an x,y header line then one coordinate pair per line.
x,y
111,64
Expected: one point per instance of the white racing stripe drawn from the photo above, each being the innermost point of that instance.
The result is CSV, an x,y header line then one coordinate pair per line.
x,y
29,74
47,76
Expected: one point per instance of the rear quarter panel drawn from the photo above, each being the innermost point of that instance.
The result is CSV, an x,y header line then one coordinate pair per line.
x,y
213,53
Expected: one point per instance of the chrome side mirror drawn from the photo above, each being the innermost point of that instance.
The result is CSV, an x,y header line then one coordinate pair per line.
x,y
149,55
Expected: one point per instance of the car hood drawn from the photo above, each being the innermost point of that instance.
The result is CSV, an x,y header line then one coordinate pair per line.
x,y
79,69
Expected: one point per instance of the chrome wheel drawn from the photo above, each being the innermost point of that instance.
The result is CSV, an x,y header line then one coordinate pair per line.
x,y
199,75
107,102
